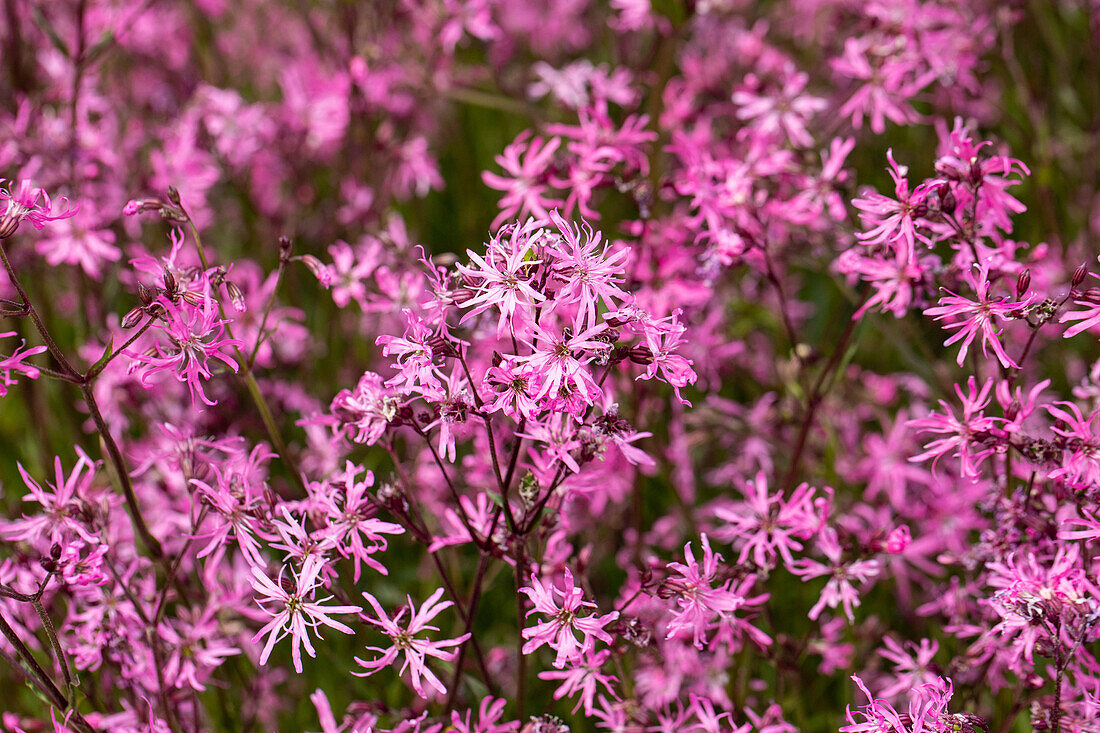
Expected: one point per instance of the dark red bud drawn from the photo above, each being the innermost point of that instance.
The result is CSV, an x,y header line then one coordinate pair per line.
x,y
1023,283
133,318
947,199
1079,275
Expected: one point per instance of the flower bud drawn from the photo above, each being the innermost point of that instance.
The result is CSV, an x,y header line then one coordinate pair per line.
x,y
1079,275
947,199
55,550
285,248
236,297
174,195
1023,283
134,317
193,298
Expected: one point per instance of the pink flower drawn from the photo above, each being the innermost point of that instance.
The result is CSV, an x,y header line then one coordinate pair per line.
x,y
525,183
840,589
415,355
30,204
195,336
364,414
785,112
976,317
560,631
960,433
295,612
15,364
405,641
503,278
60,502
769,525
560,358
892,222
198,647
584,677
700,604
352,525
77,242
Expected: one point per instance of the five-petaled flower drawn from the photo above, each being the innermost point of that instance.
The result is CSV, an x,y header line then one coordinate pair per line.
x,y
296,611
28,203
405,641
559,632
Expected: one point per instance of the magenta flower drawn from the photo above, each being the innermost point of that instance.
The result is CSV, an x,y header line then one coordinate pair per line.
x,y
590,272
892,221
195,336
502,279
974,317
405,641
60,502
583,677
352,525
16,364
769,525
785,113
525,181
198,647
560,631
295,612
560,358
960,433
364,413
700,603
840,589
414,353
30,204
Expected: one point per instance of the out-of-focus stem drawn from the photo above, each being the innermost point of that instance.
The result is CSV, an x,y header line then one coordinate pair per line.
x,y
247,375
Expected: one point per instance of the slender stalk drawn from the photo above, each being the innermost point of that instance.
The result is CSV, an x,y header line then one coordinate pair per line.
x,y
817,393
521,659
471,607
152,544
246,373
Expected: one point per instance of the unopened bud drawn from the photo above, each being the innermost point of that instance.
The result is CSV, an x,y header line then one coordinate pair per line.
x,y
193,298
8,224
1079,275
641,355
1023,283
134,317
236,297
285,248
170,283
174,195
55,550
947,199
48,564
146,294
